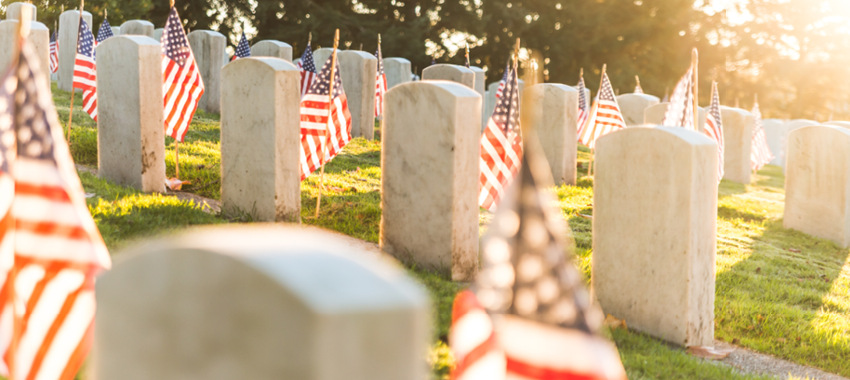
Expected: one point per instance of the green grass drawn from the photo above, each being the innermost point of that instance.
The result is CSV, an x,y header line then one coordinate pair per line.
x,y
795,305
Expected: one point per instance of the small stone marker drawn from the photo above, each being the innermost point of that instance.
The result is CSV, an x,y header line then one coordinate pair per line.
x,y
137,28
259,302
632,106
272,48
69,27
39,36
13,11
817,182
454,73
429,189
654,232
737,144
397,71
130,134
774,132
552,110
654,115
260,139
157,34
208,47
359,71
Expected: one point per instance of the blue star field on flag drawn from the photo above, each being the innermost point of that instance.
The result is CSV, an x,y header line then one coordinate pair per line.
x,y
104,32
243,50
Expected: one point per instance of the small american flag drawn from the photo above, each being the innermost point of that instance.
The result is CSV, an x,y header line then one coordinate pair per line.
x,y
504,80
54,52
318,116
85,70
501,146
605,116
243,50
473,341
638,88
308,70
583,106
182,84
104,32
680,112
546,325
54,251
380,84
760,154
714,127
466,63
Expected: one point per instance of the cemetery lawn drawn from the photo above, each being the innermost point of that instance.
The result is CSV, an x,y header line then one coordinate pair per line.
x,y
779,291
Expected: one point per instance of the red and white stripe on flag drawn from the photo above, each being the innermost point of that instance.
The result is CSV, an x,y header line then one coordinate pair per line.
x,y
307,78
761,154
473,341
380,91
536,351
182,89
605,116
501,157
85,78
54,56
314,121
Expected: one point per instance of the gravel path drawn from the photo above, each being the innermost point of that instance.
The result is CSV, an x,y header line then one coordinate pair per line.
x,y
749,361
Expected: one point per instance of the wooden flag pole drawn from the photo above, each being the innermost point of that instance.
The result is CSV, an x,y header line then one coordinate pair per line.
x,y
331,81
73,91
637,79
592,150
695,63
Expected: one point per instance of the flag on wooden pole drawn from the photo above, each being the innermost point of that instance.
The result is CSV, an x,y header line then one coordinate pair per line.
x,y
680,112
605,116
85,69
243,50
380,82
318,116
760,154
105,31
54,52
583,104
308,70
182,84
714,127
638,89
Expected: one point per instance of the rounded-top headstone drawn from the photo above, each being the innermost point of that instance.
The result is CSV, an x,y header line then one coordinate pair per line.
x,y
397,71
157,34
654,115
774,133
137,27
69,26
359,72
13,11
737,144
259,302
210,56
632,106
551,109
39,36
116,31
272,48
842,124
454,73
320,56
480,77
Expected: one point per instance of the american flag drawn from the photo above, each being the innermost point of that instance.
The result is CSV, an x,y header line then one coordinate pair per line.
x,y
583,106
104,32
308,70
85,70
243,50
473,341
51,248
380,84
714,127
760,154
638,89
680,112
182,84
504,80
54,52
501,146
315,123
546,325
605,116
467,57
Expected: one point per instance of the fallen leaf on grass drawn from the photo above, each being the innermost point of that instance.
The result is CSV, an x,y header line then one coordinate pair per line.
x,y
176,184
584,216
613,323
794,250
736,341
710,353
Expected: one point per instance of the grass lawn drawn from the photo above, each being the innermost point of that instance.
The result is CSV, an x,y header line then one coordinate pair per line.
x,y
778,291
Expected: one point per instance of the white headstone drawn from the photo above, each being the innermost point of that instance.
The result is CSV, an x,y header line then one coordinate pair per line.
x,y
130,134
13,11
157,34
116,31
359,71
817,182
737,144
429,187
656,270
654,115
454,73
137,27
774,131
258,302
397,71
209,49
632,106
260,139
552,111
39,37
69,26
272,48
320,56
842,124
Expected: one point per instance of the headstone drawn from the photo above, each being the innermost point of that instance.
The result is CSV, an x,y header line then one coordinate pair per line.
x,y
258,302
130,134
841,124
397,71
359,70
429,191
737,144
137,28
817,182
454,73
632,106
116,31
490,100
654,232
13,11
208,47
774,132
479,80
260,139
157,34
552,111
39,36
69,26
654,115
272,48
320,56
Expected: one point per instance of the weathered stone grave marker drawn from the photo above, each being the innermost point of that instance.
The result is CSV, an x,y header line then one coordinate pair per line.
x,y
774,132
654,231
632,106
69,26
397,71
737,144
454,73
39,37
13,11
654,115
272,48
138,28
429,157
359,71
210,56
552,110
260,139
